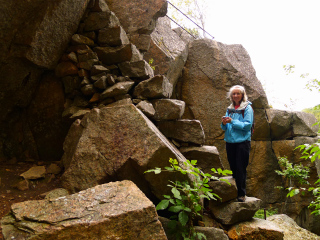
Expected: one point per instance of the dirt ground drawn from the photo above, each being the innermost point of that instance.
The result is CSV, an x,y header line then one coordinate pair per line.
x,y
10,176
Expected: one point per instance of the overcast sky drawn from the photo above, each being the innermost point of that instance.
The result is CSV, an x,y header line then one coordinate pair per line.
x,y
274,33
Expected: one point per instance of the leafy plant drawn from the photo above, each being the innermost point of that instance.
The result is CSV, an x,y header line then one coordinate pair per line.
x,y
269,212
150,63
185,201
292,173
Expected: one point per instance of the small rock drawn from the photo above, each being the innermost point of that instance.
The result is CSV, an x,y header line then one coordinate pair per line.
x,y
22,185
34,173
56,193
54,169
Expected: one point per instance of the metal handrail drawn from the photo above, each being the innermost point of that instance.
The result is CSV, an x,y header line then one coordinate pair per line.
x,y
189,19
180,26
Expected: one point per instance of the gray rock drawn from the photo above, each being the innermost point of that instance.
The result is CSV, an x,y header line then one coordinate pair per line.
x,y
54,169
101,83
156,87
168,52
261,175
261,126
86,55
113,37
99,6
303,124
88,90
233,212
78,39
256,229
211,69
142,42
136,69
119,88
207,157
34,173
138,20
280,124
56,193
117,143
98,76
97,69
118,210
115,55
147,108
99,20
71,83
183,130
168,109
224,190
212,233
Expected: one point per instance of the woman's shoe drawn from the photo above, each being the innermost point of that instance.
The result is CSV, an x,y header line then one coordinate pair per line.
x,y
242,199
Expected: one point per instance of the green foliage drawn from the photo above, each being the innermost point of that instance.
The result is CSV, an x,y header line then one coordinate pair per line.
x,y
296,173
315,111
289,68
269,212
186,197
150,63
311,152
316,193
300,173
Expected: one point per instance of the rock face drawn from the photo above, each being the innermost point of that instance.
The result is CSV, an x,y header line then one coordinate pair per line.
x,y
142,15
256,229
290,229
234,212
168,52
117,210
211,69
115,143
30,44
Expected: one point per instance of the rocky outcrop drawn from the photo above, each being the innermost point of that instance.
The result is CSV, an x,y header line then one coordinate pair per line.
x,y
141,19
211,69
117,210
115,143
290,229
234,212
256,229
168,52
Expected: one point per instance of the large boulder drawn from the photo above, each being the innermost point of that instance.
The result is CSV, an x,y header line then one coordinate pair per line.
x,y
33,36
207,157
229,213
167,52
118,210
138,16
304,124
211,69
290,228
261,177
256,229
183,130
43,37
116,143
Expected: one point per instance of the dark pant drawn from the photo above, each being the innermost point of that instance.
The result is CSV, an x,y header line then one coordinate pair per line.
x,y
238,157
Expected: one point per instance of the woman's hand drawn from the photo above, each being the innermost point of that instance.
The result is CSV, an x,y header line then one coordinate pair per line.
x,y
226,120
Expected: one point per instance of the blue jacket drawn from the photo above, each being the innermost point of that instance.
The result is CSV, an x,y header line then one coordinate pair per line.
x,y
239,130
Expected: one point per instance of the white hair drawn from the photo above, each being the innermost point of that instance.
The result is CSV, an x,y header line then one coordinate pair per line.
x,y
242,90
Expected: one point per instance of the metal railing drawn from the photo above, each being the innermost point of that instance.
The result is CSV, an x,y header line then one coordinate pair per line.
x,y
189,19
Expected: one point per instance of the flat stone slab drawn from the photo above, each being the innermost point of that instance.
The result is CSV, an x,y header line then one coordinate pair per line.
x,y
117,210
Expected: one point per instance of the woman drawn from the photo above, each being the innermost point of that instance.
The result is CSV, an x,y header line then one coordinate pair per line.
x,y
237,125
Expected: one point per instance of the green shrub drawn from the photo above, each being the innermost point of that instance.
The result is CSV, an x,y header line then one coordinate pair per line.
x,y
185,201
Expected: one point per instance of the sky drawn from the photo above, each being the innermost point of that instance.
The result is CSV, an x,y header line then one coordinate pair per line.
x,y
274,33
